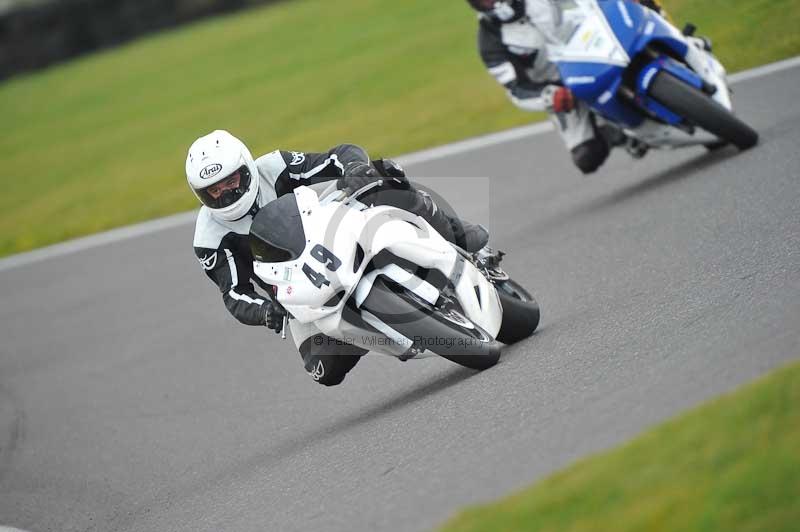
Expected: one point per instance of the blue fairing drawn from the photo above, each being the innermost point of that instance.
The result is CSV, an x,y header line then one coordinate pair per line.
x,y
597,83
627,21
600,93
589,80
636,26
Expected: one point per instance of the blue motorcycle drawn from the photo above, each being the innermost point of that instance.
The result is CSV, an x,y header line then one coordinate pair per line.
x,y
635,69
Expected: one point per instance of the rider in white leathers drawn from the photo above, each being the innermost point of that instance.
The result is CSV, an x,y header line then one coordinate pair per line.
x,y
233,186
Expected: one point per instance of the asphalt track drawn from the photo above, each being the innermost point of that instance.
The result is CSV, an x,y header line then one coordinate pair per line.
x,y
130,400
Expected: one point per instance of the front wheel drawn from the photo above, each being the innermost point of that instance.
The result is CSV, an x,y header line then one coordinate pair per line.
x,y
446,333
700,109
520,312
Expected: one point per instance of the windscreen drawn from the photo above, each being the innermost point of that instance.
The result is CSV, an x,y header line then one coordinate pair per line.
x,y
276,234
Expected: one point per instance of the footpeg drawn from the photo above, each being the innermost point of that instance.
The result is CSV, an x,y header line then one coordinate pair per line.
x,y
488,261
636,148
412,352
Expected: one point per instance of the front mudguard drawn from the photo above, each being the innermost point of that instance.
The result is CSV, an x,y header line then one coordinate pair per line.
x,y
646,76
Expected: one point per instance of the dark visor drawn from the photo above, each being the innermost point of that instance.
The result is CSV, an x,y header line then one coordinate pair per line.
x,y
227,197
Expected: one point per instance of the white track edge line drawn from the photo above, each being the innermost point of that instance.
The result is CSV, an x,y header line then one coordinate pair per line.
x,y
108,237
765,70
484,141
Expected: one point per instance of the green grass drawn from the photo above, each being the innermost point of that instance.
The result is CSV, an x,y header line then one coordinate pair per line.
x,y
745,33
732,464
100,142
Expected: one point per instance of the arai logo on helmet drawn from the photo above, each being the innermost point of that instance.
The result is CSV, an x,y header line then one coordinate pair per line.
x,y
210,171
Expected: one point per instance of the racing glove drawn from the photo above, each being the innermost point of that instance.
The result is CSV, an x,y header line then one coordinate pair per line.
x,y
358,174
274,317
558,99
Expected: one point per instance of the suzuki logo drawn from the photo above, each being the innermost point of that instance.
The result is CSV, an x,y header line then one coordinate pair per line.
x,y
210,171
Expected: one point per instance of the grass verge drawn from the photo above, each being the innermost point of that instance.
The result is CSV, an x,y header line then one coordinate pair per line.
x,y
100,142
732,464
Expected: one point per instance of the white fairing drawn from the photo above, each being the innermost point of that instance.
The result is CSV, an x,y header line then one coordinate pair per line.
x,y
584,35
341,229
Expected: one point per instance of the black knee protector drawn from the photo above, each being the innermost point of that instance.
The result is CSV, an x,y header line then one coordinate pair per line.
x,y
328,361
589,155
326,370
332,380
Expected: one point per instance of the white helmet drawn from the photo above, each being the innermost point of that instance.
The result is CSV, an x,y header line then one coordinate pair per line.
x,y
213,159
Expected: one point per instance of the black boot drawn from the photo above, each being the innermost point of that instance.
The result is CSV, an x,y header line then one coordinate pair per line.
x,y
613,135
468,236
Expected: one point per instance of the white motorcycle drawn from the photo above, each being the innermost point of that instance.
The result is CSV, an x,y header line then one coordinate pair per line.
x,y
383,279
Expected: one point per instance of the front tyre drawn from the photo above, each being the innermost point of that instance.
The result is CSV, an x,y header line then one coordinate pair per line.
x,y
520,312
700,109
446,333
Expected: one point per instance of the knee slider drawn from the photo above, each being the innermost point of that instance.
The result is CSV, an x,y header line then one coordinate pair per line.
x,y
332,380
589,155
324,375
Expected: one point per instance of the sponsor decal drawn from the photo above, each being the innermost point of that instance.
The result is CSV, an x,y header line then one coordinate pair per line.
x,y
297,158
649,77
209,262
625,15
604,98
210,171
319,371
289,290
580,80
598,43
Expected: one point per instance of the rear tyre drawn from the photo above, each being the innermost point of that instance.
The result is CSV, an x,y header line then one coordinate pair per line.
x,y
520,312
700,109
446,333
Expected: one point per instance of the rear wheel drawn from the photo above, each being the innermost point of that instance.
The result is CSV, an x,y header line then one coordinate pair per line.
x,y
520,312
700,109
444,332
